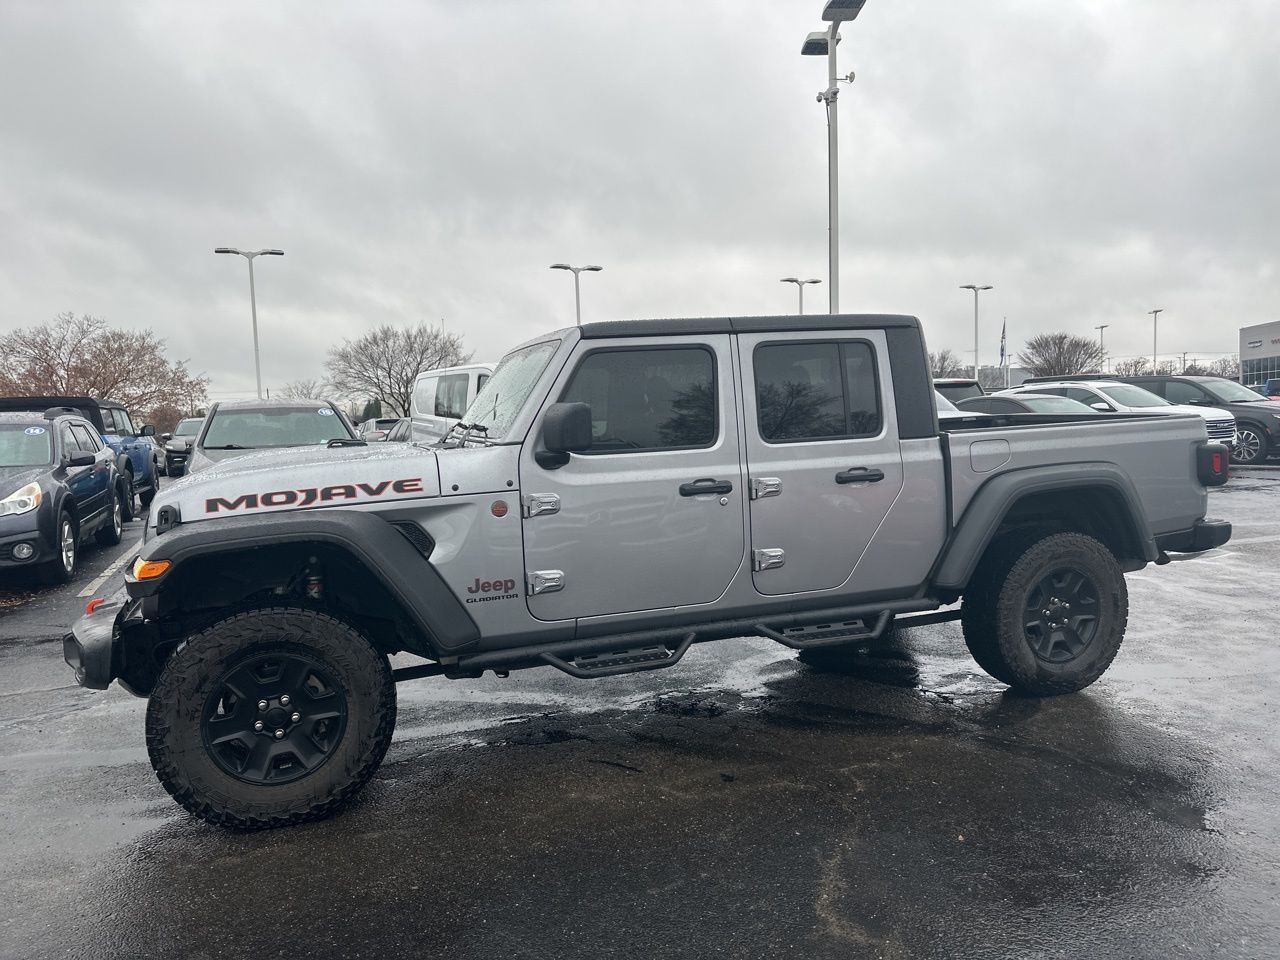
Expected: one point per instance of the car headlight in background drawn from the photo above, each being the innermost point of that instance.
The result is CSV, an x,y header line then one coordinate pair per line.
x,y
21,501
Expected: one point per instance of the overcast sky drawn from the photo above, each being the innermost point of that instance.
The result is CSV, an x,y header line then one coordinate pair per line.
x,y
428,161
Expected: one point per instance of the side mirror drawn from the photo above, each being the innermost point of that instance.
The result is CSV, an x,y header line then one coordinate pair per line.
x,y
81,459
147,431
1105,407
566,429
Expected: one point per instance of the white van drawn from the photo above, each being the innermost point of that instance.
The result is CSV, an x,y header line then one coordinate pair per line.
x,y
441,397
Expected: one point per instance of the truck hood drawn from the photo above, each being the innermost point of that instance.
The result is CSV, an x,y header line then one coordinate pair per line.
x,y
303,478
1210,414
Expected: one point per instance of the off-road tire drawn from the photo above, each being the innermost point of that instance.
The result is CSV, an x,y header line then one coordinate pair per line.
x,y
175,718
129,505
56,570
110,533
150,493
995,606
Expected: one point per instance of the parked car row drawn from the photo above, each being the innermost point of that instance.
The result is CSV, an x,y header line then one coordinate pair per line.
x,y
1233,414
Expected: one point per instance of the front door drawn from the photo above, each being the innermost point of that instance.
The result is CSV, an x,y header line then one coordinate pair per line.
x,y
652,515
823,457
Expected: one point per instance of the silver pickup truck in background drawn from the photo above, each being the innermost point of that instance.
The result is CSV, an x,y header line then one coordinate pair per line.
x,y
616,493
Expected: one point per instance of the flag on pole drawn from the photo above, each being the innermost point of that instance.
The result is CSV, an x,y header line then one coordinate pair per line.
x,y
1003,330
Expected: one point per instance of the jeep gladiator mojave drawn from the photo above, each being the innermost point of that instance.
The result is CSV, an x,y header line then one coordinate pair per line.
x,y
616,493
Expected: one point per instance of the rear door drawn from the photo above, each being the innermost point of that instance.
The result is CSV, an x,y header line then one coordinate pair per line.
x,y
652,515
89,442
823,457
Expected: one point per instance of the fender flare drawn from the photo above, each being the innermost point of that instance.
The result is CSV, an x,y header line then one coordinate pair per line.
x,y
385,552
993,501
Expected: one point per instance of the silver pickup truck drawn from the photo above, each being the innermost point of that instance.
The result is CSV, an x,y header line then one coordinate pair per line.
x,y
616,493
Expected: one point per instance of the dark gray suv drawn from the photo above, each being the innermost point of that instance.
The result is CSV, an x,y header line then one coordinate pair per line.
x,y
1257,418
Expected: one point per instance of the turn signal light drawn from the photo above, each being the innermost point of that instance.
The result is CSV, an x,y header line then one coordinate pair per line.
x,y
149,569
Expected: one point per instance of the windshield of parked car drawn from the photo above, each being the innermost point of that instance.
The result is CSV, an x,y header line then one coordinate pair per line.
x,y
502,397
252,428
22,445
1055,405
189,427
1131,396
1228,391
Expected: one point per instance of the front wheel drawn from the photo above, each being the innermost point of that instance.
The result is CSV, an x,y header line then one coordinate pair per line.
x,y
148,495
63,566
1046,615
271,717
1251,445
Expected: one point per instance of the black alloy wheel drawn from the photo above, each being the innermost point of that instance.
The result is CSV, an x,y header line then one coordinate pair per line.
x,y
1061,615
274,718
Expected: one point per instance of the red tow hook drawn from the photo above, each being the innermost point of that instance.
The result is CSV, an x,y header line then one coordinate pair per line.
x,y
94,604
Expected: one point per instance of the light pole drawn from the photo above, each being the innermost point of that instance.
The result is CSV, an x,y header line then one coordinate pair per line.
x,y
253,300
975,288
820,44
1102,343
800,287
1155,335
577,294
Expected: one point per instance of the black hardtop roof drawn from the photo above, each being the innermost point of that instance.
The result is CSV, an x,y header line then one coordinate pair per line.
x,y
706,325
38,418
44,403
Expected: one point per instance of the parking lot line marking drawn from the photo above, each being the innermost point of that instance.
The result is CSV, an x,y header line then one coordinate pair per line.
x,y
116,564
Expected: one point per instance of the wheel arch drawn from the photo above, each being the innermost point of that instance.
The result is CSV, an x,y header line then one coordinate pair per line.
x,y
1094,499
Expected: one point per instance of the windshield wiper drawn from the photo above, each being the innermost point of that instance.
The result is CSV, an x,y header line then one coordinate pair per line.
x,y
227,446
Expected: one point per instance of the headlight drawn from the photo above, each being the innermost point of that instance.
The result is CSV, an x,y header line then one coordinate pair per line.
x,y
21,501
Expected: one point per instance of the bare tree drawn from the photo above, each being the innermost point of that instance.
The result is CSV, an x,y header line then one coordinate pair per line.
x,y
1133,367
383,363
1228,367
82,356
1060,355
313,389
945,363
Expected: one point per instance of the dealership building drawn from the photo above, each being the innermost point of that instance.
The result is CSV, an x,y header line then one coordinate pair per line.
x,y
1260,353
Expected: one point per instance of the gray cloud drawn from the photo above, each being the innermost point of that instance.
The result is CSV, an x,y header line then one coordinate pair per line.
x,y
426,161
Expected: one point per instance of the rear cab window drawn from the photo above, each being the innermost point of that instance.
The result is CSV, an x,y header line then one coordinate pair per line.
x,y
817,390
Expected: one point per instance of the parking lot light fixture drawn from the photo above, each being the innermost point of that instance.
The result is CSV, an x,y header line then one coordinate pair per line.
x,y
1155,336
819,44
975,288
799,287
577,293
253,300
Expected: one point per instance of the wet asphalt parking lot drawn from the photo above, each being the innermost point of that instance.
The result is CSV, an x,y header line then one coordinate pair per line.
x,y
739,805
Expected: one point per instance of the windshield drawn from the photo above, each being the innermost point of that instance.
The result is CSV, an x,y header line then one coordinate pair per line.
x,y
189,427
958,391
1227,391
1055,405
249,428
1131,396
22,445
501,398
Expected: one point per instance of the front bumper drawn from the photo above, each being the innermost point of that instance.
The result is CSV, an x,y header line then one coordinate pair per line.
x,y
28,528
1204,535
90,647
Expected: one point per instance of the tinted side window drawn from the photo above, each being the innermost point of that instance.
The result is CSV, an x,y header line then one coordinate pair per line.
x,y
68,441
481,380
1084,396
451,395
108,421
85,439
647,399
124,424
816,391
1178,392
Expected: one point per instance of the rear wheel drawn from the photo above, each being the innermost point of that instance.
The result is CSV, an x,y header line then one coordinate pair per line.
x,y
1251,445
1046,614
270,717
128,507
109,534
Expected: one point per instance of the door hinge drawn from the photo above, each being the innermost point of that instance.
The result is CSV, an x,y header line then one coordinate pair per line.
x,y
537,504
762,487
768,558
545,581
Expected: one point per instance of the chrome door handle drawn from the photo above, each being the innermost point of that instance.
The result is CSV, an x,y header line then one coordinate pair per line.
x,y
860,475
